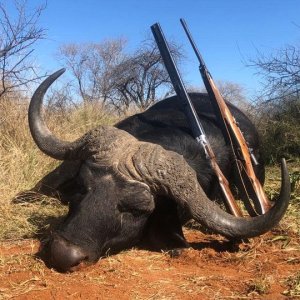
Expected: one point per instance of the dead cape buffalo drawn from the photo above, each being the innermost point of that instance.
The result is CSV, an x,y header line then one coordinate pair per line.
x,y
140,180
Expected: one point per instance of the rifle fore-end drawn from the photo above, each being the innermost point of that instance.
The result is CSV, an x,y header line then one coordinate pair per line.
x,y
225,188
223,182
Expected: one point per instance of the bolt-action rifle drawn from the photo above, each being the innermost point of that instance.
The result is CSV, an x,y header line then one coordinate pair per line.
x,y
192,117
243,155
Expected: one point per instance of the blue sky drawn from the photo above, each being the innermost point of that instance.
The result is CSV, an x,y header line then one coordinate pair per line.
x,y
227,32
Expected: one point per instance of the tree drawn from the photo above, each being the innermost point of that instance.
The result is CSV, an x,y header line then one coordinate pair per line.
x,y
17,36
231,92
280,72
234,93
142,78
91,65
105,72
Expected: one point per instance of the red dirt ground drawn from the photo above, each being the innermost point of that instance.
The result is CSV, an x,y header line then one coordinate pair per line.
x,y
212,268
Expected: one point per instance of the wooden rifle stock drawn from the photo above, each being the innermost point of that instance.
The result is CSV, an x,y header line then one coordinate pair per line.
x,y
223,182
192,117
235,138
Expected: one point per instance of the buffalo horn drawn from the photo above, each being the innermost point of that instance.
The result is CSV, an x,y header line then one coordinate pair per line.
x,y
41,134
169,173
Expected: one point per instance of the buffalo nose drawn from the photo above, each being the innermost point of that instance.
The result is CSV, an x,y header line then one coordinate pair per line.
x,y
64,255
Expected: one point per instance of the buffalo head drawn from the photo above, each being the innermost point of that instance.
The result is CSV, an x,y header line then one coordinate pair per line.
x,y
115,183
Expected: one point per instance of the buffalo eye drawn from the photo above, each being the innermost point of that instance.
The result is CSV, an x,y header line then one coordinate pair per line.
x,y
137,200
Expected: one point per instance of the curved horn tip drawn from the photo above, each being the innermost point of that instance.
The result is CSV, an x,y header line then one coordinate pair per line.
x,y
285,173
283,163
58,73
43,87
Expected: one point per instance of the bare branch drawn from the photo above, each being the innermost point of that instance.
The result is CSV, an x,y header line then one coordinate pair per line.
x,y
280,72
17,37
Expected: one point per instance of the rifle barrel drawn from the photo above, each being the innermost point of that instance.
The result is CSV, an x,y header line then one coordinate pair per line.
x,y
197,52
177,82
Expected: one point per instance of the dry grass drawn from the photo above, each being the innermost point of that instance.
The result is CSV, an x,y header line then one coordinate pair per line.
x,y
293,285
22,164
291,221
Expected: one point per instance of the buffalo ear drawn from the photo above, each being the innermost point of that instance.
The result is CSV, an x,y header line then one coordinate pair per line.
x,y
137,200
58,182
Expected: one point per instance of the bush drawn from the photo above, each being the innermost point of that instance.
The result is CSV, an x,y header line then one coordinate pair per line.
x,y
279,127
